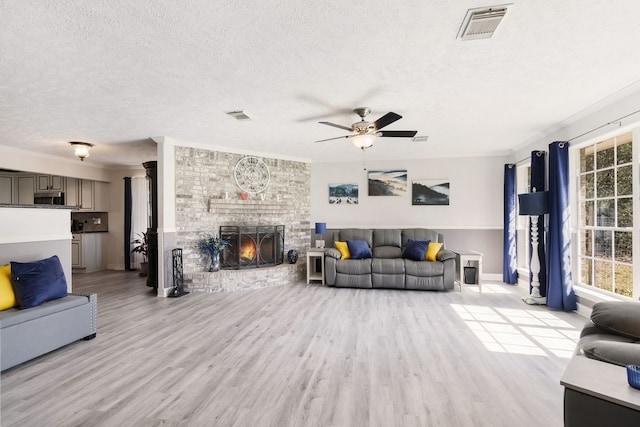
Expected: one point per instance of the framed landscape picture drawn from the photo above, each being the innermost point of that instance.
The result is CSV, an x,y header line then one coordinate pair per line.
x,y
430,192
343,194
388,182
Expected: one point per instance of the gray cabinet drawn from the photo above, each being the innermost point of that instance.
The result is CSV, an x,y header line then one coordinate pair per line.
x,y
71,195
86,194
25,188
6,189
76,251
50,182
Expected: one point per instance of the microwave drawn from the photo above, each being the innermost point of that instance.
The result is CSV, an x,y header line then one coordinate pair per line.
x,y
49,198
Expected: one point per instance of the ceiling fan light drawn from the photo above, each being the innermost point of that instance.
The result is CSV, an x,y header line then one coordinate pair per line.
x,y
363,141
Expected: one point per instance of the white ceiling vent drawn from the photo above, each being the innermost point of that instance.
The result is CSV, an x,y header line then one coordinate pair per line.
x,y
239,115
481,23
420,138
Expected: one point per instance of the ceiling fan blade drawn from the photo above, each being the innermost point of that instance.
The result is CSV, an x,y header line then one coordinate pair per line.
x,y
386,120
335,125
331,139
398,133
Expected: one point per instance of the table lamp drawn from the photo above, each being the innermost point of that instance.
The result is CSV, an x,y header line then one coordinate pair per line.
x,y
321,228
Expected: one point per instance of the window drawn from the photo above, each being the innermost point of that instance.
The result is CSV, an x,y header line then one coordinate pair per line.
x,y
605,207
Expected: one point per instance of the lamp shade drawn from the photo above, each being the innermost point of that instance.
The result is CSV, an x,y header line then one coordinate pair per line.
x,y
534,203
321,227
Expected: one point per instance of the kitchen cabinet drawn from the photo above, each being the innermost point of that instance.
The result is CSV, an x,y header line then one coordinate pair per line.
x,y
76,251
50,182
6,189
86,194
101,196
25,188
71,195
88,252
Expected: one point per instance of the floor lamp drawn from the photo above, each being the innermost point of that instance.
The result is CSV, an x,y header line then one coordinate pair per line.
x,y
534,205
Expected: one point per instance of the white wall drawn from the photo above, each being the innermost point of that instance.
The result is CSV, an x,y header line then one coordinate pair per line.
x,y
29,161
472,220
475,201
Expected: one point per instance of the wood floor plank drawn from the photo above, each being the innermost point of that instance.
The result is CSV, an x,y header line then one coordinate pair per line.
x,y
299,355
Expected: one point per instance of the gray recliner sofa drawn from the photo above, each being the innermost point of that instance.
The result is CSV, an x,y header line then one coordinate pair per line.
x,y
387,268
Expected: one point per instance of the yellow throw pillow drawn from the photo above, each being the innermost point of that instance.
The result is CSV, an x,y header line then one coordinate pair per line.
x,y
7,296
344,249
433,250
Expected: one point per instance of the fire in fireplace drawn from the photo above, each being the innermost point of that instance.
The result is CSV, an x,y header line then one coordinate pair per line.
x,y
252,246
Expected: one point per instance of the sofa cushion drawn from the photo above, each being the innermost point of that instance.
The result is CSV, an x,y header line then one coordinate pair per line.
x,y
415,250
432,251
387,237
14,316
423,268
620,317
344,249
357,234
615,352
359,249
7,296
420,234
386,252
354,266
38,282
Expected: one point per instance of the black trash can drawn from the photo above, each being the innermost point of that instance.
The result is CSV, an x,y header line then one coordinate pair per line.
x,y
470,275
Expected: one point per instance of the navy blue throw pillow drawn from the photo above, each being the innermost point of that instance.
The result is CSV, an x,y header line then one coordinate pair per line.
x,y
416,249
38,282
359,249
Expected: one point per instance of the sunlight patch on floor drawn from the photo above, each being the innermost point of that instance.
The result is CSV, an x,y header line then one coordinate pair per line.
x,y
519,331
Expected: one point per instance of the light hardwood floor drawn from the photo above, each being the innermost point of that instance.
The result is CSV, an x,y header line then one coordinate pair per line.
x,y
300,355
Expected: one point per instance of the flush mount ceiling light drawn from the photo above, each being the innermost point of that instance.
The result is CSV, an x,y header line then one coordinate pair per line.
x,y
481,23
81,149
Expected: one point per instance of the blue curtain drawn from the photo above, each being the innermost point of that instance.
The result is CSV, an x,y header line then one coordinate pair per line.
x,y
538,181
509,256
128,202
560,293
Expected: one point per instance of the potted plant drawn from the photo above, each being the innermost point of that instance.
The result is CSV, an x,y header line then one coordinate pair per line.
x,y
142,247
213,245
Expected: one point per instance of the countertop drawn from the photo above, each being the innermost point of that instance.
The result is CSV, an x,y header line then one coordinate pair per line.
x,y
11,205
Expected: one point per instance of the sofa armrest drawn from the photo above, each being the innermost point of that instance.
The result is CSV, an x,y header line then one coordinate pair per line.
x,y
333,253
444,255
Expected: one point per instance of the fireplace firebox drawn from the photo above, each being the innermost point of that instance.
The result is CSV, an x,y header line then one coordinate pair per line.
x,y
252,246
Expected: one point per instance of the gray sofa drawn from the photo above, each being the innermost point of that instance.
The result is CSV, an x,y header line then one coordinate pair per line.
x,y
32,332
387,268
596,389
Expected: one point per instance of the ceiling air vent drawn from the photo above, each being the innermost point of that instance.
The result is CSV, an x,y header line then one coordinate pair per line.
x,y
420,138
481,23
239,115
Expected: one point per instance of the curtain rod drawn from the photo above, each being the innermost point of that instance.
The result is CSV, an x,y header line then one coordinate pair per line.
x,y
618,120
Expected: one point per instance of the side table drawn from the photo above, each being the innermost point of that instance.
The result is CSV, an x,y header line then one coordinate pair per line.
x,y
463,257
315,265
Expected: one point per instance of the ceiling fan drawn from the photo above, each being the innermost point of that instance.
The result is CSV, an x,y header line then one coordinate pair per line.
x,y
364,133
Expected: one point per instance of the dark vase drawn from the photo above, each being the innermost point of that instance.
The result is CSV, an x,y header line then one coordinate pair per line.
x,y
215,263
292,256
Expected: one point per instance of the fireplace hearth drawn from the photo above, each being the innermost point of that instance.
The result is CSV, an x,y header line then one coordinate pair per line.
x,y
252,246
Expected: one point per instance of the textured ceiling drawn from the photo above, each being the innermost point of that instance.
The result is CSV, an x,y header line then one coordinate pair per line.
x,y
116,73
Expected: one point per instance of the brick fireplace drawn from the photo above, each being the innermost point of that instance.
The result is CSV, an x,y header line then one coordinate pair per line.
x,y
208,199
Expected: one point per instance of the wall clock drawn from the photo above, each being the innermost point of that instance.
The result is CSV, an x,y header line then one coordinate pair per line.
x,y
252,175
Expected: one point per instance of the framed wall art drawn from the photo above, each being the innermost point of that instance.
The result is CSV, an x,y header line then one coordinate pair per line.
x,y
343,194
430,192
388,182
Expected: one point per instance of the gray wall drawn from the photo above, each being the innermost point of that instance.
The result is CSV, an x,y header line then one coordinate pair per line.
x,y
34,251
